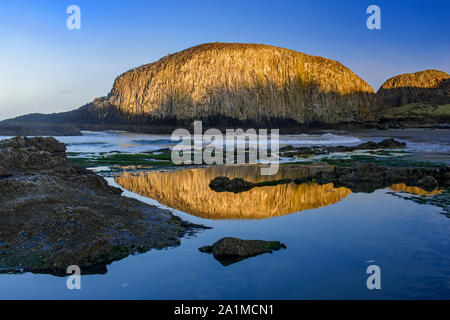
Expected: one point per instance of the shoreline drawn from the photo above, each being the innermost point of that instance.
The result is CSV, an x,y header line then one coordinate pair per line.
x,y
55,214
31,128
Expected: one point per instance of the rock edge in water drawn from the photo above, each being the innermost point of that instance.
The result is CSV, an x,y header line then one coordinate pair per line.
x,y
290,151
54,214
230,250
359,177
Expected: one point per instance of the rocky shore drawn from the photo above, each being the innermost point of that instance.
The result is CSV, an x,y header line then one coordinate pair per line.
x,y
368,177
55,214
290,151
359,177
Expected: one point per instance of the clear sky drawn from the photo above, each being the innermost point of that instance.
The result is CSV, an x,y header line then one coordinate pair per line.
x,y
45,67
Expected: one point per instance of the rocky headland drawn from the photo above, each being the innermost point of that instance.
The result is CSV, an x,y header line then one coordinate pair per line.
x,y
55,214
223,84
238,85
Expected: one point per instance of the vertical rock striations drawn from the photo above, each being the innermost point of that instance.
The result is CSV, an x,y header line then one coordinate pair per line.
x,y
245,82
228,84
429,86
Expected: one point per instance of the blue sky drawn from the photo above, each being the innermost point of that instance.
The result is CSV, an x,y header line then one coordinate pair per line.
x,y
45,67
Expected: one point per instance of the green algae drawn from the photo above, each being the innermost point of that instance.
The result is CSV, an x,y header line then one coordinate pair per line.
x,y
441,200
124,159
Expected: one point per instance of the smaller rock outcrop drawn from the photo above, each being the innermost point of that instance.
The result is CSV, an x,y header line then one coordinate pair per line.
x,y
417,98
231,250
430,86
290,151
359,177
236,185
368,177
225,184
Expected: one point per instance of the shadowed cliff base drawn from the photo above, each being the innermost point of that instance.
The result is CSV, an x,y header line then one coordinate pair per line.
x,y
166,126
100,116
416,113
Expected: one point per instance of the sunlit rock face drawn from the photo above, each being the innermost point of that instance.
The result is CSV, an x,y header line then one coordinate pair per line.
x,y
401,187
429,86
243,82
188,191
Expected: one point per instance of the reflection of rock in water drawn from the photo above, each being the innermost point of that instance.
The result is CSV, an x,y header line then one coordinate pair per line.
x,y
439,197
401,187
188,190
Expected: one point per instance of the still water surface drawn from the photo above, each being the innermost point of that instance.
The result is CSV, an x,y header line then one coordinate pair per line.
x,y
330,233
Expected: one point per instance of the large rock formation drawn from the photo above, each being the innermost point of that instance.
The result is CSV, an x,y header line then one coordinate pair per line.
x,y
421,96
221,83
244,82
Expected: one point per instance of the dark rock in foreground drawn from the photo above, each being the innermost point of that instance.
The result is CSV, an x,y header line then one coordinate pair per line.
x,y
53,214
231,250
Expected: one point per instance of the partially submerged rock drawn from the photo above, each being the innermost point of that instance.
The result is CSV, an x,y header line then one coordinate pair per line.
x,y
368,177
290,151
222,184
359,177
54,214
236,185
231,250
